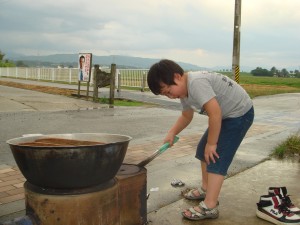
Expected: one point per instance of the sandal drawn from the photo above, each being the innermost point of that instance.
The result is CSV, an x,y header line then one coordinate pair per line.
x,y
177,183
191,196
204,213
194,216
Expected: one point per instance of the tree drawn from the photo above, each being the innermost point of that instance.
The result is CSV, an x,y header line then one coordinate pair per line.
x,y
1,56
297,73
5,63
284,72
261,72
273,70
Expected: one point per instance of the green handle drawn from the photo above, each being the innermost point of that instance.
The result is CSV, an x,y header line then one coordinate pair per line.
x,y
165,146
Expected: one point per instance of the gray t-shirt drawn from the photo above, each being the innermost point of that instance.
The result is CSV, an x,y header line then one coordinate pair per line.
x,y
203,86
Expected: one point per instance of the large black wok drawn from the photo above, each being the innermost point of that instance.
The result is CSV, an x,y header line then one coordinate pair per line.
x,y
95,158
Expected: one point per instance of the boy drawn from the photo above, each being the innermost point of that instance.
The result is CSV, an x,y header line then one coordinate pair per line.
x,y
230,112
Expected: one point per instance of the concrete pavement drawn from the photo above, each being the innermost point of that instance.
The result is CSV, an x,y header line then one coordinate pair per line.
x,y
276,118
239,195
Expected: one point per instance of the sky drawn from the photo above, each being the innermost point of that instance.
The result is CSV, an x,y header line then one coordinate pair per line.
x,y
199,32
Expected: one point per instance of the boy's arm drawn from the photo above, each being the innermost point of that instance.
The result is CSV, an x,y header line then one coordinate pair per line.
x,y
182,122
214,113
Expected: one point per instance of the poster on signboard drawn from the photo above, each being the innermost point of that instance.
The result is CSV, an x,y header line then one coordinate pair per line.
x,y
84,67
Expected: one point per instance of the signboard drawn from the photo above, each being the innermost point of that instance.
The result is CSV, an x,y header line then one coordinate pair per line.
x,y
84,66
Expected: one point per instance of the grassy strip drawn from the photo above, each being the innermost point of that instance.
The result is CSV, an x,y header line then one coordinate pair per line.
x,y
290,148
260,86
247,78
122,102
255,90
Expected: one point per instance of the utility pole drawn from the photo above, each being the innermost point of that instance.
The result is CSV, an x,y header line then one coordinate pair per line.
x,y
236,41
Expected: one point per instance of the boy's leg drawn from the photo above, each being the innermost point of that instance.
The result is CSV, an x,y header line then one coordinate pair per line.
x,y
215,182
204,175
195,192
203,165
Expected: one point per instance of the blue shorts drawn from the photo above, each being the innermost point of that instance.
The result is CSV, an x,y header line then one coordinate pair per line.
x,y
233,130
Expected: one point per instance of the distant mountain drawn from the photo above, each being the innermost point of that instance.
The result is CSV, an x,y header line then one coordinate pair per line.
x,y
71,60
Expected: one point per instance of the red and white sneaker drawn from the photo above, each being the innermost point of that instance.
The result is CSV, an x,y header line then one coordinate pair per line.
x,y
285,199
271,209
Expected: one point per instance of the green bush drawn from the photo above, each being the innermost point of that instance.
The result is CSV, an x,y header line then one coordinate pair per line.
x,y
7,64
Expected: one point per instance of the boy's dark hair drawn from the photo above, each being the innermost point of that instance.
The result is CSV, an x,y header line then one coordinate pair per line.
x,y
162,72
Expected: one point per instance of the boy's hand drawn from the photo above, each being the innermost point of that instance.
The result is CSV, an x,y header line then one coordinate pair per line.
x,y
210,153
169,139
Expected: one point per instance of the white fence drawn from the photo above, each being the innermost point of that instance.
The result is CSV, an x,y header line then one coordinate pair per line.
x,y
124,77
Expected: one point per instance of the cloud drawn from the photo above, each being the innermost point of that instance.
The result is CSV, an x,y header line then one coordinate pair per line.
x,y
198,32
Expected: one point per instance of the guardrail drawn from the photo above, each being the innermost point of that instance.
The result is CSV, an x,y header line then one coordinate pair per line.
x,y
124,77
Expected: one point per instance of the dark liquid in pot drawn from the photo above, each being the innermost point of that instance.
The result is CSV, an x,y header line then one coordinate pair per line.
x,y
60,142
